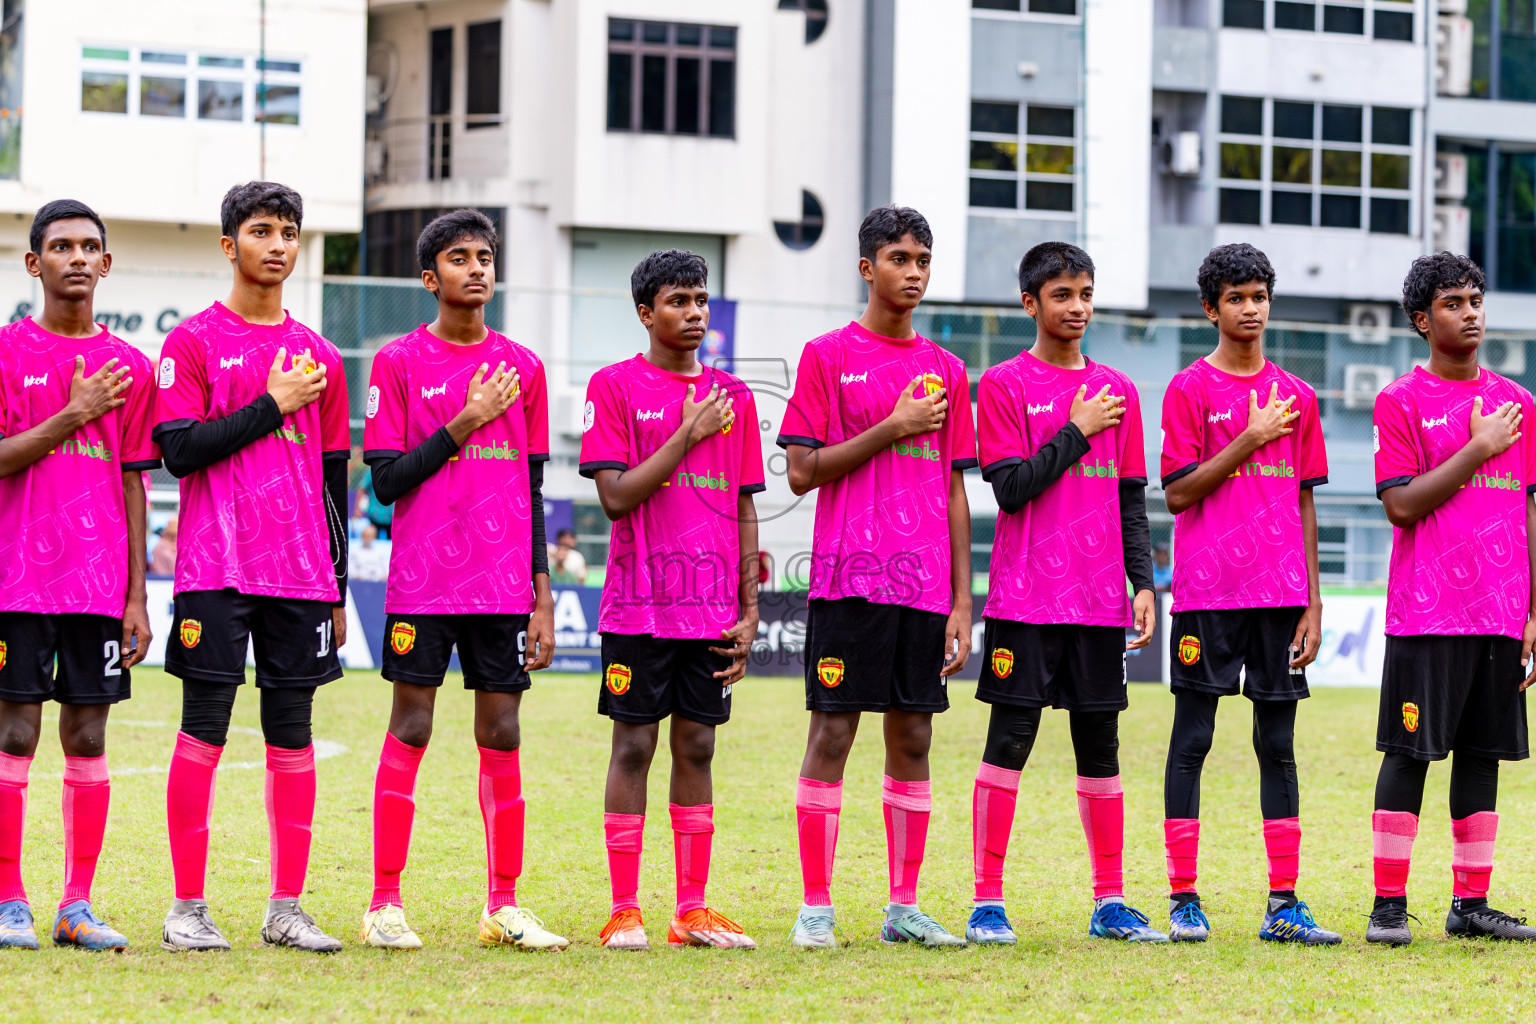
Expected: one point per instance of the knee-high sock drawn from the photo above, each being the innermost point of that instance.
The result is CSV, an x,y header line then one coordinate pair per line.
x,y
1392,834
693,829
87,795
13,823
1472,854
501,805
1181,842
907,808
189,787
993,800
394,812
290,817
1282,842
624,834
817,806
1101,805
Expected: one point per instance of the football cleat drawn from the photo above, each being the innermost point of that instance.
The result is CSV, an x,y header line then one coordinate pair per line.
x,y
189,926
385,928
1389,924
1115,920
78,925
815,928
1295,924
1187,922
16,928
916,926
704,927
989,926
514,926
624,930
288,925
1485,922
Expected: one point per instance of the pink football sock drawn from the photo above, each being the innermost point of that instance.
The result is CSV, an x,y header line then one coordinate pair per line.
x,y
993,800
1101,805
13,822
907,807
189,790
394,811
1181,841
1392,834
1472,854
624,833
501,805
290,817
87,794
817,806
692,832
1282,842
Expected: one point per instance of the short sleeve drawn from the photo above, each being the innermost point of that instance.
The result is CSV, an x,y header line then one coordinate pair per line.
x,y
1530,444
335,412
962,436
1312,454
1397,450
384,420
181,394
1183,434
604,428
751,470
536,413
997,425
1133,453
139,451
807,420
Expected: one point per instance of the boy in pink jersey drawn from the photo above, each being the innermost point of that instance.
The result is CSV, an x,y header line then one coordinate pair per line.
x,y
459,449
880,422
674,448
1061,445
1454,470
1242,450
253,419
75,406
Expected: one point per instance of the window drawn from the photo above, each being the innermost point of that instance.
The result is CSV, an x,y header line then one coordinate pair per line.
x,y
1391,19
164,83
815,16
1063,7
1023,157
1503,49
483,92
1314,165
671,79
802,234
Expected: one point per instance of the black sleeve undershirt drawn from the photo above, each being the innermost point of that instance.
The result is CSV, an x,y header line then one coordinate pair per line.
x,y
335,464
187,445
396,474
1015,484
536,515
1136,533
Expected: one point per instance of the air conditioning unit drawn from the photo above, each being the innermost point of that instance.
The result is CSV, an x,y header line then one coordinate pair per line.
x,y
1363,382
1502,355
1181,154
1369,323
1451,176
1452,229
1453,6
1453,55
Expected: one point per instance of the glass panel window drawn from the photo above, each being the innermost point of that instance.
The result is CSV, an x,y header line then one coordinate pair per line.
x,y
1048,195
1066,7
1241,160
653,94
651,32
1390,170
1242,14
1290,208
1243,115
1346,20
1389,216
1000,193
1042,158
995,118
152,57
722,38
621,31
722,98
221,101
685,116
1340,211
1291,164
1057,121
204,61
106,94
1393,26
994,156
282,105
1294,121
690,35
1341,167
103,53
1391,126
1240,206
995,5
1001,154
1298,16
162,97
1342,124
621,91
290,66
673,79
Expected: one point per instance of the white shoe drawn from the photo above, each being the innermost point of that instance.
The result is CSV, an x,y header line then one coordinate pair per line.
x,y
189,926
514,926
385,928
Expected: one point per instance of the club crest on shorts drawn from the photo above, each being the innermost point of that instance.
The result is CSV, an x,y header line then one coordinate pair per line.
x,y
932,384
1189,649
2,654
1410,716
1002,662
191,633
829,671
617,679
402,638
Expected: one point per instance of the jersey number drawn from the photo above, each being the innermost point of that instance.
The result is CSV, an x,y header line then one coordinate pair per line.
x,y
324,629
113,654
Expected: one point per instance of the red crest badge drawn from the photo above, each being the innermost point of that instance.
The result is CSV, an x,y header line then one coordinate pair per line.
x,y
402,638
191,633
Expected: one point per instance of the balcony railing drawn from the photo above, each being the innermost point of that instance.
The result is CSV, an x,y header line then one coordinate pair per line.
x,y
447,147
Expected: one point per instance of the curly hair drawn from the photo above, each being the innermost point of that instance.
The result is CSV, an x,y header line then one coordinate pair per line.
x,y
1237,263
1048,260
1430,275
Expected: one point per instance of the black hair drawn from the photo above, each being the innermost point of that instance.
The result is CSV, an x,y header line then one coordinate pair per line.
x,y
1233,264
62,209
565,531
242,202
1431,275
1049,260
450,227
887,224
677,267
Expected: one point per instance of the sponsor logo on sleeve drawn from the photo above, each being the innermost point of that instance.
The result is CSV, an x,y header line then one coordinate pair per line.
x,y
191,633
1002,662
167,372
617,679
829,671
373,401
1189,649
402,638
1376,437
1410,716
588,417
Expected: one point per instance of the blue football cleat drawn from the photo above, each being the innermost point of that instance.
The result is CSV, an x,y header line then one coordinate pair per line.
x,y
1188,923
16,929
1295,924
1118,921
989,926
78,925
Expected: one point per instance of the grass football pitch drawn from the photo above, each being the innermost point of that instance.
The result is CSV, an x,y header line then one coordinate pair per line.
x,y
1055,973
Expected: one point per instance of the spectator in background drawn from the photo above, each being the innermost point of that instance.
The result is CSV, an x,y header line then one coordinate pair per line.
x,y
764,571
162,562
368,560
1162,569
566,564
382,516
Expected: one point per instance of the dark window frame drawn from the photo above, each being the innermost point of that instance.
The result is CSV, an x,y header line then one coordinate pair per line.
x,y
716,57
